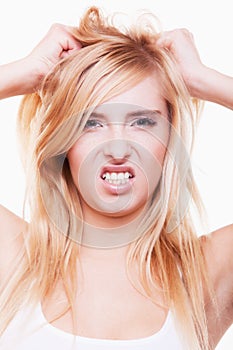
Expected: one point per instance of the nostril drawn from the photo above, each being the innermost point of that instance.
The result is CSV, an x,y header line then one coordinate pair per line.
x,y
118,150
119,161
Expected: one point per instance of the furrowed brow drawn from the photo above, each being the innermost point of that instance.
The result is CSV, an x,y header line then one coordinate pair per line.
x,y
96,115
144,112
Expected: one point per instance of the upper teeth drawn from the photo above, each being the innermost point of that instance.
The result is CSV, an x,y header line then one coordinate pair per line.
x,y
117,178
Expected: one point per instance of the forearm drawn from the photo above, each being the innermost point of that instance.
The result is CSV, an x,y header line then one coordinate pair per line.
x,y
213,86
18,78
24,76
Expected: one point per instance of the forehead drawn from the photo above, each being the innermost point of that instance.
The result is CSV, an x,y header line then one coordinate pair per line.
x,y
145,95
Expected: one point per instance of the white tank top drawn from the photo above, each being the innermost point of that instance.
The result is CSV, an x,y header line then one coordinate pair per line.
x,y
29,330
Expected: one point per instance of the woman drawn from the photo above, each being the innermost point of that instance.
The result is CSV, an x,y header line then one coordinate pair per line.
x,y
111,253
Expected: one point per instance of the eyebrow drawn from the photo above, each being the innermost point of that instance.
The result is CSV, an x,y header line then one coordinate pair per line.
x,y
145,112
137,113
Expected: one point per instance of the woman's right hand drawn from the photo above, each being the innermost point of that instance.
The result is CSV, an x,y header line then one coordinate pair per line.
x,y
57,44
25,75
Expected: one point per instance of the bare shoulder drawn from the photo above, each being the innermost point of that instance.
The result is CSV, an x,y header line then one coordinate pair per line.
x,y
12,228
10,224
218,250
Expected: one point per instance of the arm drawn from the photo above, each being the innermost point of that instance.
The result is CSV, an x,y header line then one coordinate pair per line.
x,y
208,84
202,82
215,87
24,76
219,258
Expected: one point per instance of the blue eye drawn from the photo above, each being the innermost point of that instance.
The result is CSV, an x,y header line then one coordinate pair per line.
x,y
93,123
143,122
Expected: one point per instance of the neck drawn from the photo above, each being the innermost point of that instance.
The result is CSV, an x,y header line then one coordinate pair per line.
x,y
111,234
106,254
101,230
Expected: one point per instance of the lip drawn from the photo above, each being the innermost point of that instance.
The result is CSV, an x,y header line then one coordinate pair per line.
x,y
117,169
117,189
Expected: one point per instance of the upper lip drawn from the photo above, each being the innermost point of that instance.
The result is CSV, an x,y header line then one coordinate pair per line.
x,y
117,169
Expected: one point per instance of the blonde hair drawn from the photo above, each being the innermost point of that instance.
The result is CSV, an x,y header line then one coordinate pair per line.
x,y
50,121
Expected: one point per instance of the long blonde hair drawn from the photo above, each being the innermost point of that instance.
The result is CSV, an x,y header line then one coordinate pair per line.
x,y
50,121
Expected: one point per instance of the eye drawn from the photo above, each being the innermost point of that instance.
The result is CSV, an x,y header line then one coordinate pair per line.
x,y
144,122
93,123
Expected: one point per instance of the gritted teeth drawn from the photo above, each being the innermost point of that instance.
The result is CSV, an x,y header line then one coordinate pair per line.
x,y
117,178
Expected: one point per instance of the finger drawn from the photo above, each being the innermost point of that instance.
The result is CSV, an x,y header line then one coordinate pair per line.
x,y
73,43
69,45
62,34
66,53
167,36
164,41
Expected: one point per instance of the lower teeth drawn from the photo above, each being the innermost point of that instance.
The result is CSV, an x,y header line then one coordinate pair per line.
x,y
117,182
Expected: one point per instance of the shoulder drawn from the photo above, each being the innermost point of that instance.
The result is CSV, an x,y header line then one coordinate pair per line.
x,y
10,220
12,228
218,251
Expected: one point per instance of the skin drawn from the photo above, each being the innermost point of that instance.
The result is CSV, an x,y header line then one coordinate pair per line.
x,y
202,82
23,77
119,136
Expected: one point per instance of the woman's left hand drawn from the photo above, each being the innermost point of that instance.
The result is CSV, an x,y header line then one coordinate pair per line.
x,y
201,81
180,43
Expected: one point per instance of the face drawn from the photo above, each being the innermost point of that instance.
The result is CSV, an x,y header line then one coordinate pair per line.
x,y
116,163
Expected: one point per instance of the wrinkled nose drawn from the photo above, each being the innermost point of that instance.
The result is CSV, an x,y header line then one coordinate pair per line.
x,y
117,149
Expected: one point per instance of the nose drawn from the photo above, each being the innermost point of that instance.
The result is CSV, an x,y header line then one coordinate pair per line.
x,y
117,149
117,146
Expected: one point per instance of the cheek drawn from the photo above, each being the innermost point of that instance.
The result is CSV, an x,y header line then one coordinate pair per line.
x,y
158,152
83,167
78,153
75,158
155,149
159,145
152,157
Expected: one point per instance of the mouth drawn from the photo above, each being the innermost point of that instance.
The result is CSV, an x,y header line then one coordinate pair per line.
x,y
117,175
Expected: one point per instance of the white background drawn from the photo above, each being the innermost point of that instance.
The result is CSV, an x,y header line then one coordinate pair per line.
x,y
24,22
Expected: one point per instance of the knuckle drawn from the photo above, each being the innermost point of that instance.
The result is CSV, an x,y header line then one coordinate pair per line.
x,y
187,32
56,27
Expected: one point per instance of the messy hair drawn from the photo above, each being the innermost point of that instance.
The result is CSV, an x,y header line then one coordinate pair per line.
x,y
167,250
